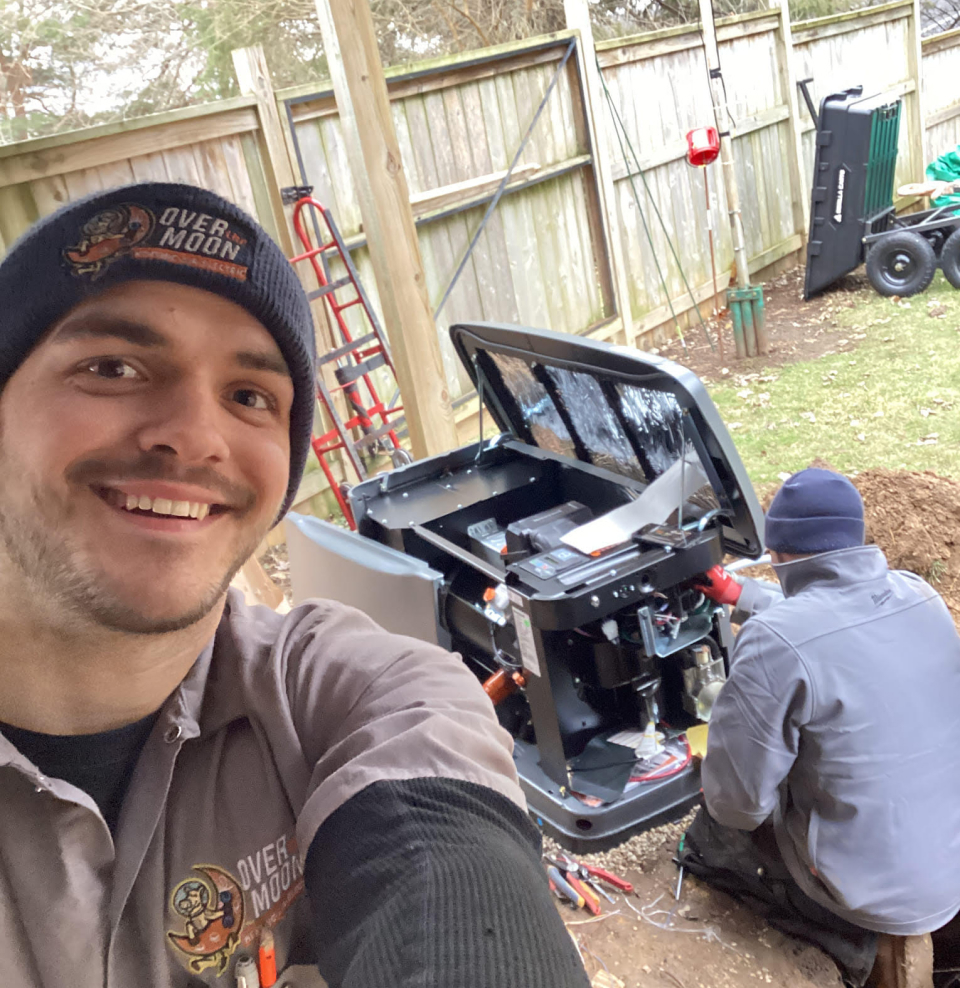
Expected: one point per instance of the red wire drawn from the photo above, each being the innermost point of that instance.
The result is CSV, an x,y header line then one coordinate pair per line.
x,y
656,776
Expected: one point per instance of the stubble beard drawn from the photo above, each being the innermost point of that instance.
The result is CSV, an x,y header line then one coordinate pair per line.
x,y
70,586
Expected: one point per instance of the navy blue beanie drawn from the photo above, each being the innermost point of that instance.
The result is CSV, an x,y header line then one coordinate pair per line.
x,y
815,511
165,232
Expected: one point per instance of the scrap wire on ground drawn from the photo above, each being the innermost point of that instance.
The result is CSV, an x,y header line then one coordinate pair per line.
x,y
649,911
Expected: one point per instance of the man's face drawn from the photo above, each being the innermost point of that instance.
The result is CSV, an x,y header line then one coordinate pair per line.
x,y
144,453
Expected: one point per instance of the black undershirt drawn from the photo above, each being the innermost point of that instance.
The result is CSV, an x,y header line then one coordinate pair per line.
x,y
99,764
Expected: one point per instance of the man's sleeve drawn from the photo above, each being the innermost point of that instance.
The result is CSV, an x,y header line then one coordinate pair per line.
x,y
422,866
756,596
755,728
435,883
369,706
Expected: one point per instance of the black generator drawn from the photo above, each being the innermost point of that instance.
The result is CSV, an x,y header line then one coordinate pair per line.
x,y
560,560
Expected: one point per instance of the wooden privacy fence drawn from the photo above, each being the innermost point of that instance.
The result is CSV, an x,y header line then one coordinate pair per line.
x,y
880,49
541,259
219,146
941,93
659,86
567,246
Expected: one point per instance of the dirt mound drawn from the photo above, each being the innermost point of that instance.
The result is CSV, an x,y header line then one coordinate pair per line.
x,y
915,519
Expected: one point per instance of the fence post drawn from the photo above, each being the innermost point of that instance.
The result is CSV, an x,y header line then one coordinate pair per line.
x,y
250,65
373,154
596,118
786,64
918,132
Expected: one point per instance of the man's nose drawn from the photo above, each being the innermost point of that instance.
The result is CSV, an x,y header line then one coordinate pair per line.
x,y
187,419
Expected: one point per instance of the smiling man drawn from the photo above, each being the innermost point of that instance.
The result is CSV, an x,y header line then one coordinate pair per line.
x,y
185,780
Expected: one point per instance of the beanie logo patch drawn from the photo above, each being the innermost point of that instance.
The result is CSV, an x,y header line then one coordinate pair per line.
x,y
108,235
179,236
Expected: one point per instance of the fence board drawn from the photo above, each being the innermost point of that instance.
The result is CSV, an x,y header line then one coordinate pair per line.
x,y
941,69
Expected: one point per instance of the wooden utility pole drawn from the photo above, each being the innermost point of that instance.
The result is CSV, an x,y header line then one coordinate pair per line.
x,y
726,142
350,44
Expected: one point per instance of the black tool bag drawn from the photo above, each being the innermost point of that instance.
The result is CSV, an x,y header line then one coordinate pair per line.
x,y
747,866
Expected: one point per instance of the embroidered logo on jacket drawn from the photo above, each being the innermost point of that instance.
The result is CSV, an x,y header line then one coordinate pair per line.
x,y
881,598
215,913
212,911
178,236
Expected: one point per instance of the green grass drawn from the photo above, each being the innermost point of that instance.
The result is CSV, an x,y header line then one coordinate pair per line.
x,y
891,400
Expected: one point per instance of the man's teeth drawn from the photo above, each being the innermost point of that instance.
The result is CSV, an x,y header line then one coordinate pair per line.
x,y
164,506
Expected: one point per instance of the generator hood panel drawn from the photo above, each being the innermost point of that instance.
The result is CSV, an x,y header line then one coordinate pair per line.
x,y
623,411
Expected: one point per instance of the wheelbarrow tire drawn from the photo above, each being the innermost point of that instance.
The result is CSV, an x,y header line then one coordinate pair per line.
x,y
950,258
901,263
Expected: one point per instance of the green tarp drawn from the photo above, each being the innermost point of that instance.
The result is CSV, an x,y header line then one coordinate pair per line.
x,y
946,169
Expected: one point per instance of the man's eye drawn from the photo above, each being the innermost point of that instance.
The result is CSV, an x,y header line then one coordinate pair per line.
x,y
251,399
111,367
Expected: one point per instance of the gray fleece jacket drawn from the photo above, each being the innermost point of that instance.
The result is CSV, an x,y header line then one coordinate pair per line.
x,y
841,720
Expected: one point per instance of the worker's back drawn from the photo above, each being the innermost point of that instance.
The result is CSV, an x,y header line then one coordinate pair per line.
x,y
869,820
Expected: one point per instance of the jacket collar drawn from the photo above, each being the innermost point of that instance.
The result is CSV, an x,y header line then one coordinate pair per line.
x,y
840,568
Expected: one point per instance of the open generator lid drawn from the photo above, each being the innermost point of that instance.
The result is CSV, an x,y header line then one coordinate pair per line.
x,y
622,410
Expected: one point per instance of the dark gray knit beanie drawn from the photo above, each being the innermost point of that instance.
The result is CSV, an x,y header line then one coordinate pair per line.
x,y
165,232
815,511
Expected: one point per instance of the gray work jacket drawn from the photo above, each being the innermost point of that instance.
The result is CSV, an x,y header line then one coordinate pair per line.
x,y
280,721
841,720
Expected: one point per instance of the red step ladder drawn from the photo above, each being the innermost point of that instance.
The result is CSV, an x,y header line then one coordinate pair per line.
x,y
371,428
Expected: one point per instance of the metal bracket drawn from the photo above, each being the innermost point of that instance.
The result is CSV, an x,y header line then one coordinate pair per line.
x,y
290,194
802,84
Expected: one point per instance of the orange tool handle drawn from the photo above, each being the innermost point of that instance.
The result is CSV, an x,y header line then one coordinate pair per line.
x,y
267,961
604,876
591,900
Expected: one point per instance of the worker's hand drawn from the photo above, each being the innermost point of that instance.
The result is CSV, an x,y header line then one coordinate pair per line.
x,y
719,585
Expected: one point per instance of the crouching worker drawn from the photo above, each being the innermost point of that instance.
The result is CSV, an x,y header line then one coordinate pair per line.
x,y
830,779
191,787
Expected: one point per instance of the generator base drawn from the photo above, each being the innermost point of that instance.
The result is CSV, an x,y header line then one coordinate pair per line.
x,y
583,829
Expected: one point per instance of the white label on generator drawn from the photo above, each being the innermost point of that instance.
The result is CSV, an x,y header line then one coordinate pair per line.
x,y
528,647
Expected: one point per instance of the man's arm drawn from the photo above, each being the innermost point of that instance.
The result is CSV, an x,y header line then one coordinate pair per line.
x,y
435,883
422,867
745,595
755,729
755,596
